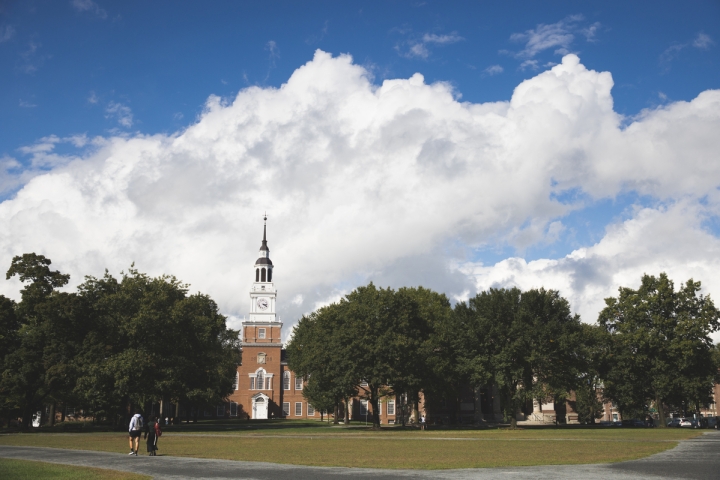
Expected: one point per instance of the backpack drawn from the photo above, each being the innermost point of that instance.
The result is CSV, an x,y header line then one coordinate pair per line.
x,y
138,423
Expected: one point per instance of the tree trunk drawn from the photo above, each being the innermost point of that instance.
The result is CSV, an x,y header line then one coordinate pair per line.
x,y
513,422
374,404
52,415
661,412
347,412
337,415
416,410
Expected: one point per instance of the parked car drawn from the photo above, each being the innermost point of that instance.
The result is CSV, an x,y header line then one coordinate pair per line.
x,y
688,423
674,422
634,422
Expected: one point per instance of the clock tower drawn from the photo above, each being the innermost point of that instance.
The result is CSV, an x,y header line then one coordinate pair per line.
x,y
263,293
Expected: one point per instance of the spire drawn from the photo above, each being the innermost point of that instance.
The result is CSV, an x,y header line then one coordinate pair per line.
x,y
264,246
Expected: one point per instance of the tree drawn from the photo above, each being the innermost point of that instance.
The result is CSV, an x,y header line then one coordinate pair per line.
x,y
588,394
375,342
317,353
152,340
525,343
661,352
38,365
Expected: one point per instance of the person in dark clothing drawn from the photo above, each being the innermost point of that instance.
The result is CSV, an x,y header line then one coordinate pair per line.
x,y
151,434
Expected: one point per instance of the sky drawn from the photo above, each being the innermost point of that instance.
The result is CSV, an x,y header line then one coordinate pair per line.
x,y
455,145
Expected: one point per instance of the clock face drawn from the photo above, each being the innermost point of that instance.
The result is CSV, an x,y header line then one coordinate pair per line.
x,y
263,303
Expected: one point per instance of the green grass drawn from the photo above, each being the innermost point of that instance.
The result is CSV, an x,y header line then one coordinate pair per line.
x,y
31,470
306,444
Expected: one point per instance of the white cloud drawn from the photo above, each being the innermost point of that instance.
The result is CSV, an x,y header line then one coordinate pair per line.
x,y
6,33
558,36
25,104
418,47
121,113
89,6
93,98
703,41
668,239
441,39
494,70
395,183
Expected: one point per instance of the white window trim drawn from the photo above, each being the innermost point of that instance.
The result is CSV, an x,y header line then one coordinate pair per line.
x,y
364,405
391,403
298,380
267,384
309,408
286,413
261,333
286,375
296,409
231,409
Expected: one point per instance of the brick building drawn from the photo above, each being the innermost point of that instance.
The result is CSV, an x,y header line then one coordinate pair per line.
x,y
265,387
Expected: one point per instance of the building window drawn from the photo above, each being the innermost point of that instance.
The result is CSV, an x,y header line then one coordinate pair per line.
x,y
286,409
363,383
311,410
363,407
262,275
286,381
269,274
252,383
220,411
259,381
257,274
298,409
391,407
379,408
237,380
233,409
261,356
298,383
207,413
261,333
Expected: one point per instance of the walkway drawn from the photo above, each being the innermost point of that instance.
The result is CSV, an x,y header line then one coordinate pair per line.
x,y
697,459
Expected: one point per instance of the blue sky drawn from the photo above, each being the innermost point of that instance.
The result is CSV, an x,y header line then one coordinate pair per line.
x,y
91,88
65,61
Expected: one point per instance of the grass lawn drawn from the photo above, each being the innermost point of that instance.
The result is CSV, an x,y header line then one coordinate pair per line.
x,y
30,470
390,447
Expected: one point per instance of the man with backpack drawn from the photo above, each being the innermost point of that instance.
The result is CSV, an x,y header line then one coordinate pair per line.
x,y
135,430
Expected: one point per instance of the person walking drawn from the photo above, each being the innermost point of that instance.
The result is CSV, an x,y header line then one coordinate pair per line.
x,y
135,430
422,422
151,435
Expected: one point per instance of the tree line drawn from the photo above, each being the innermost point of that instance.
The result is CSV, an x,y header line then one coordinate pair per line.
x,y
113,345
650,349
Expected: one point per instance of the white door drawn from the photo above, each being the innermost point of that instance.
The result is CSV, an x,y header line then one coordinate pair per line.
x,y
260,409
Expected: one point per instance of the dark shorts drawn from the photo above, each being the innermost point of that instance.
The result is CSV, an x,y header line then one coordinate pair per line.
x,y
135,433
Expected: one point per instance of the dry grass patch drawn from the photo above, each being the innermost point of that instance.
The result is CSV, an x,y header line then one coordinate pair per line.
x,y
503,448
11,469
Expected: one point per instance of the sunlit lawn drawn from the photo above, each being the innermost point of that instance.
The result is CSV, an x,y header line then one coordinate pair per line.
x,y
31,470
308,444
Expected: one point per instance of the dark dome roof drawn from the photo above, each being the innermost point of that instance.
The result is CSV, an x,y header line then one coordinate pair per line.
x,y
263,261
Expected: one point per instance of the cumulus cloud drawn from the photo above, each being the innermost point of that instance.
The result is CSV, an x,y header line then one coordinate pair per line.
x,y
667,238
398,183
121,113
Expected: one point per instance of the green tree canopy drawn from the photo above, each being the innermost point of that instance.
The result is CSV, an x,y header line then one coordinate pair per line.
x,y
525,343
660,350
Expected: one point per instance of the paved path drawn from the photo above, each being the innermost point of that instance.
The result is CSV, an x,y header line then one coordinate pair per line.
x,y
697,459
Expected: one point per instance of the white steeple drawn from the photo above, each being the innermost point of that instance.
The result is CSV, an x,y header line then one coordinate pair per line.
x,y
263,293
